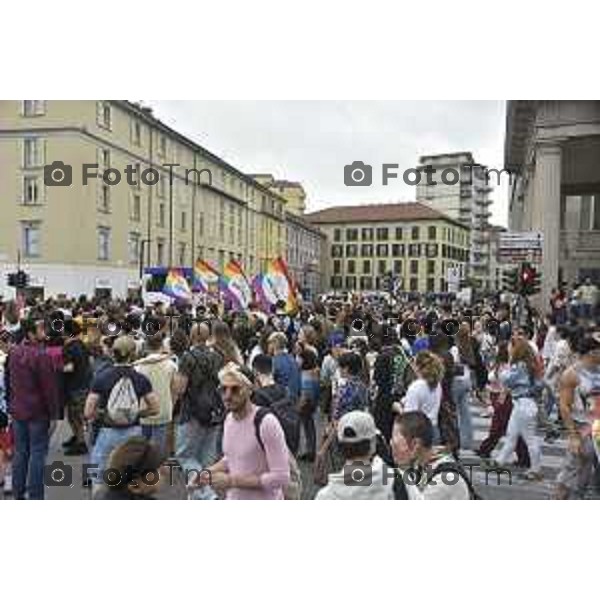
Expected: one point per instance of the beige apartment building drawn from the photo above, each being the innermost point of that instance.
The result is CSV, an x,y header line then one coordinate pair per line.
x,y
418,244
95,234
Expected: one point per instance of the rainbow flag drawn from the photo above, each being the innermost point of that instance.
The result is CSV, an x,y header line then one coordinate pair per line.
x,y
235,285
205,276
176,285
278,285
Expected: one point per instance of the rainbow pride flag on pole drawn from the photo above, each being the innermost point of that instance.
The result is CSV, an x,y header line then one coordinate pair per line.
x,y
205,277
277,285
235,285
176,285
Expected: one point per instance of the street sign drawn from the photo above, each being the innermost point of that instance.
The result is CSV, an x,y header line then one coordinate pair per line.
x,y
517,247
453,279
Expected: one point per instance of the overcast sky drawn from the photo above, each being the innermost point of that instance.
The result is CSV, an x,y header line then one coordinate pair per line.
x,y
310,142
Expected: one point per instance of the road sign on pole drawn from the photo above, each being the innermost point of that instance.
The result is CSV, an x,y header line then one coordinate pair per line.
x,y
517,247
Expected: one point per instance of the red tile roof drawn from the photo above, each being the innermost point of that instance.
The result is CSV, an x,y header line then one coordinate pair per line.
x,y
400,211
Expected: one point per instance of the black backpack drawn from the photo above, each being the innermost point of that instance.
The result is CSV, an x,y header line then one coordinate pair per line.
x,y
202,397
286,413
400,492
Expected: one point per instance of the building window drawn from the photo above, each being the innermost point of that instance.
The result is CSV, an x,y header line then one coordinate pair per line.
x,y
366,250
350,283
31,239
337,251
104,198
183,220
181,253
398,233
161,214
32,153
136,134
104,114
367,234
31,190
382,234
432,233
351,267
381,267
431,284
336,282
103,243
367,267
134,248
414,249
430,267
366,283
397,249
160,252
414,267
337,235
382,249
162,146
34,108
397,266
415,233
351,250
351,235
136,207
337,267
431,250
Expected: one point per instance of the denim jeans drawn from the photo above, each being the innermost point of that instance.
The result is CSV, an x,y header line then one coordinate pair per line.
x,y
196,448
461,392
31,450
158,435
107,440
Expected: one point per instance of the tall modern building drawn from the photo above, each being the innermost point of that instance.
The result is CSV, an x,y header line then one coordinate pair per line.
x,y
458,186
78,234
552,147
411,240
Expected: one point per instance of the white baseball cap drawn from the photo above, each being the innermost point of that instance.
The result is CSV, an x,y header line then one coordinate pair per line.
x,y
356,426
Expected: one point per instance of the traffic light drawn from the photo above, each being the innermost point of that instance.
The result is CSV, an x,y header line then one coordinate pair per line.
x,y
510,281
22,279
11,280
530,280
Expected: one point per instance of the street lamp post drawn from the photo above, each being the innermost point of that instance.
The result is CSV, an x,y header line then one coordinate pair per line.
x,y
142,246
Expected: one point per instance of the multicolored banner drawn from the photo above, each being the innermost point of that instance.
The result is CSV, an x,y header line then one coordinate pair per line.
x,y
276,285
205,277
176,285
235,285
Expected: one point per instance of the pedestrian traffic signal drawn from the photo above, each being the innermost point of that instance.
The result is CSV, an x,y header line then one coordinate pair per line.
x,y
18,280
510,281
530,280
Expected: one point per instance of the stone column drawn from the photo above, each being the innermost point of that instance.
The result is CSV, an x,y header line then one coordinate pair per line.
x,y
546,213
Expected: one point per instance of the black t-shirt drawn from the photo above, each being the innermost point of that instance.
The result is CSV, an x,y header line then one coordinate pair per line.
x,y
104,382
75,352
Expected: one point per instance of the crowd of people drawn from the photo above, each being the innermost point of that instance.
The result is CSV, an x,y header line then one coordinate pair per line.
x,y
372,397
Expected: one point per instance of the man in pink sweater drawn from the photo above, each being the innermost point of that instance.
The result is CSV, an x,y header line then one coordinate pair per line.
x,y
246,471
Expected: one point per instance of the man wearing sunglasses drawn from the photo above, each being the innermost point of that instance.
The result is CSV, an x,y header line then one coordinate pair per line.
x,y
247,471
